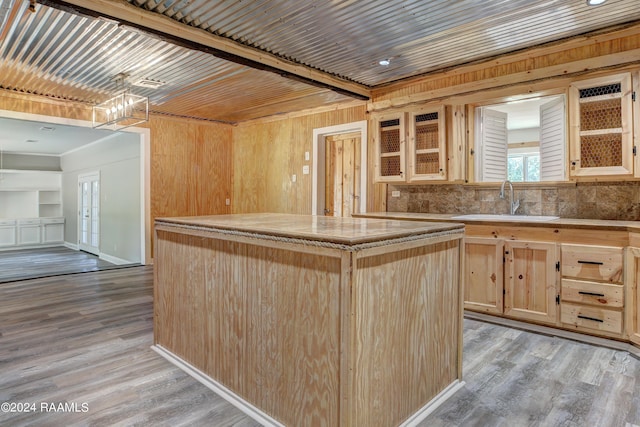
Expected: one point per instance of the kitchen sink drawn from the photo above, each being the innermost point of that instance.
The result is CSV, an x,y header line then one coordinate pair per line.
x,y
505,217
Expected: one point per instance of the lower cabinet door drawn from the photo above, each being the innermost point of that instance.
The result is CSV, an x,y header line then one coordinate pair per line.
x,y
632,297
7,235
531,281
483,274
29,234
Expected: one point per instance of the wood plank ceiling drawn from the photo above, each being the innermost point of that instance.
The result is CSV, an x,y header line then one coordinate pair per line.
x,y
232,61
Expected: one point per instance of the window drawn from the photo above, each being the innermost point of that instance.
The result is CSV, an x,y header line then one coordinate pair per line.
x,y
522,141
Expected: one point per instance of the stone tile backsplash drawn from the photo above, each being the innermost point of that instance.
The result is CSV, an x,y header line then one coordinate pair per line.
x,y
592,200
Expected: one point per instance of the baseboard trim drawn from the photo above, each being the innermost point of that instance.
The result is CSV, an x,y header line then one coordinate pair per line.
x,y
427,409
73,246
114,260
266,420
222,391
555,332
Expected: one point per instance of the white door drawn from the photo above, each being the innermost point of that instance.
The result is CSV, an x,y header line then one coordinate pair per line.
x,y
89,221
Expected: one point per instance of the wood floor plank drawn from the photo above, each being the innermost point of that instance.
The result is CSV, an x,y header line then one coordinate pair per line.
x,y
85,338
21,264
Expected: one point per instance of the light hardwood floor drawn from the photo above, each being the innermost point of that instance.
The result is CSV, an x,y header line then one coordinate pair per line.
x,y
23,264
85,338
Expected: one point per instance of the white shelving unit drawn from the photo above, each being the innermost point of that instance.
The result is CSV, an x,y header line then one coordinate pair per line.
x,y
30,209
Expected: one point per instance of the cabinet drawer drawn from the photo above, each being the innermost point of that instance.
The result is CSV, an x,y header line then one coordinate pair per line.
x,y
593,318
597,294
28,222
7,222
602,263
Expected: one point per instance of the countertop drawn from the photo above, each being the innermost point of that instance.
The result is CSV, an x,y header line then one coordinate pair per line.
x,y
599,224
348,231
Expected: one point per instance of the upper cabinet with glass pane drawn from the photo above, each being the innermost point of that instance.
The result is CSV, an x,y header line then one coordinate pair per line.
x,y
423,157
522,141
601,126
389,140
427,152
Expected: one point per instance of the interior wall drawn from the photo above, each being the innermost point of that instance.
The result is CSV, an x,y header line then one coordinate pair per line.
x,y
191,167
190,160
117,159
30,162
267,153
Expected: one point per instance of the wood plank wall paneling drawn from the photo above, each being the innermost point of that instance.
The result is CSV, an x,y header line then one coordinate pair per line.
x,y
393,323
236,321
190,167
577,56
267,154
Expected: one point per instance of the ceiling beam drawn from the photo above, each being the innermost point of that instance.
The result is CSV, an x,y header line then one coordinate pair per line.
x,y
199,39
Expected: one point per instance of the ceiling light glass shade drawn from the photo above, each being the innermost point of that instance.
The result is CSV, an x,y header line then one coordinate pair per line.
x,y
121,111
595,2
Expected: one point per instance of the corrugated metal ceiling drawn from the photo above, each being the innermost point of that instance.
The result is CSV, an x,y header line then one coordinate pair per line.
x,y
348,38
57,53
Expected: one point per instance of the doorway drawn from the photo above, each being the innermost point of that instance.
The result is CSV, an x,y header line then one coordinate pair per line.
x,y
89,211
318,186
342,174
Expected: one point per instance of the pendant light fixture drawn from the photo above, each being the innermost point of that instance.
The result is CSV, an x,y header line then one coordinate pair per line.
x,y
122,110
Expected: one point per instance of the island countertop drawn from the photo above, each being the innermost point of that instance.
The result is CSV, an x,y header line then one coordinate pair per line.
x,y
594,224
347,231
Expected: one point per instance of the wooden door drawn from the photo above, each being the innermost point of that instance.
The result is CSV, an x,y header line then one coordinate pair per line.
x,y
342,175
632,300
483,274
531,279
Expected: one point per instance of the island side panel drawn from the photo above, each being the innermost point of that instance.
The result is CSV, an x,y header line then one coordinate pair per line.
x,y
261,320
407,319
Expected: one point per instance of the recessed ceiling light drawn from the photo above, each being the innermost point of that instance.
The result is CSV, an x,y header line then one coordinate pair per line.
x,y
385,62
47,129
31,140
595,2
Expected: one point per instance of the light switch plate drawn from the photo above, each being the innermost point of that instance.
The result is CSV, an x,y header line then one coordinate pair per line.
x,y
305,170
395,193
294,178
306,156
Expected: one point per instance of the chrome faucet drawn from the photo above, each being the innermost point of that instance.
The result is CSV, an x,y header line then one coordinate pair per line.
x,y
514,205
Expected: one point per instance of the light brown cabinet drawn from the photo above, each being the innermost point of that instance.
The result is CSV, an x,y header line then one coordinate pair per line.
x,y
531,281
427,151
633,294
483,274
601,139
592,291
514,278
389,140
411,146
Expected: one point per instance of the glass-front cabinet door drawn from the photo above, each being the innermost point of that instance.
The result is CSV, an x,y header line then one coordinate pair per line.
x,y
389,139
601,140
427,145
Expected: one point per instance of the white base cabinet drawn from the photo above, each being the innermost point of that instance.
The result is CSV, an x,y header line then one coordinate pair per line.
x,y
8,230
28,232
52,230
31,232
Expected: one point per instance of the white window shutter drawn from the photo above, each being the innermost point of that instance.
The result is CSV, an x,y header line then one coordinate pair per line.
x,y
552,140
494,145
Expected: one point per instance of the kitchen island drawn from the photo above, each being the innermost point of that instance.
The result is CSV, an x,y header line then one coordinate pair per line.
x,y
303,320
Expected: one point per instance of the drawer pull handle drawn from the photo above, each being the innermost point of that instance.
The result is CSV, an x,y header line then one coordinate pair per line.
x,y
590,318
595,294
590,262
